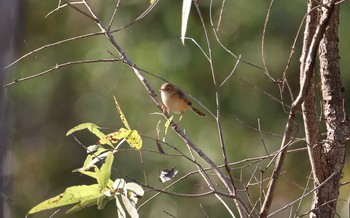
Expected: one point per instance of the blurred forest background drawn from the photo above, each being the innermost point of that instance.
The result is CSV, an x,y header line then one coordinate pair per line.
x,y
42,110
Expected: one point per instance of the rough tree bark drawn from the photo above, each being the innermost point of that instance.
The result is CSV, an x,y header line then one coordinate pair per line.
x,y
327,157
333,152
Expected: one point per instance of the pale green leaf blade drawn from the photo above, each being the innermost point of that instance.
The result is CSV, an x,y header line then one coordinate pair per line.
x,y
95,175
72,195
95,160
130,207
105,171
120,209
88,173
135,192
83,204
90,126
119,184
135,188
186,8
102,201
121,114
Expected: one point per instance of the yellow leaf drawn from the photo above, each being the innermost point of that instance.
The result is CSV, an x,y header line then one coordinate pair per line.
x,y
114,137
134,139
122,117
167,124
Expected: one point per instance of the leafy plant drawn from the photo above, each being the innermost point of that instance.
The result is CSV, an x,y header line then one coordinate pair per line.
x,y
125,194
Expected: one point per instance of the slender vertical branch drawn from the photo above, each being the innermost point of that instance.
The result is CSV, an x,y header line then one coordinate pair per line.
x,y
239,205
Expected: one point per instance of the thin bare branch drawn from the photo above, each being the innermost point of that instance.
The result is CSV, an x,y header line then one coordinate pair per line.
x,y
61,6
58,66
113,15
53,44
304,195
232,71
263,42
240,205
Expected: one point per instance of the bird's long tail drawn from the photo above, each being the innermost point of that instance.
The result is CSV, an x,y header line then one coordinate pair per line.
x,y
198,112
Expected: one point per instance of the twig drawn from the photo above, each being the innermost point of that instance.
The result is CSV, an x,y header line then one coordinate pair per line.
x,y
306,194
58,66
262,138
169,214
232,71
265,93
220,16
143,167
53,44
113,15
210,184
240,206
138,18
60,7
263,43
79,10
305,189
200,47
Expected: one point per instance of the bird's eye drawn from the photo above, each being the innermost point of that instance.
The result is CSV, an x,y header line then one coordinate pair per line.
x,y
168,88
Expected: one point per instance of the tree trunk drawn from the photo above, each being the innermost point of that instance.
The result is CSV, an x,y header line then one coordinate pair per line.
x,y
327,157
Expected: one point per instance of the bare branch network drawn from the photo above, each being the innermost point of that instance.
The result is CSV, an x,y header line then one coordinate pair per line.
x,y
245,187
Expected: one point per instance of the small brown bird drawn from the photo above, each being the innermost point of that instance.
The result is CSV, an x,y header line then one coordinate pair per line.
x,y
176,101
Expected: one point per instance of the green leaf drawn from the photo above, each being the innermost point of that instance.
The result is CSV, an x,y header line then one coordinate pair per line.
x,y
90,126
88,161
94,129
71,195
88,173
186,8
94,175
102,201
121,114
91,159
83,204
95,160
105,171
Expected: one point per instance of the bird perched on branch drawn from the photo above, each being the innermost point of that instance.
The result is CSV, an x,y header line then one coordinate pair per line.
x,y
176,101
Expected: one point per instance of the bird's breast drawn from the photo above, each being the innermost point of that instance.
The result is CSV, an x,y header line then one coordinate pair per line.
x,y
174,103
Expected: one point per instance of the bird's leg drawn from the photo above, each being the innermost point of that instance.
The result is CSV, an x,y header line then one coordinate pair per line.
x,y
165,109
177,123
